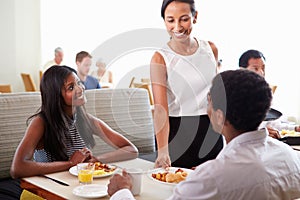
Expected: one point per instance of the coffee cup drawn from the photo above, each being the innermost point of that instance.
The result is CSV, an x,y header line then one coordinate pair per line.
x,y
136,175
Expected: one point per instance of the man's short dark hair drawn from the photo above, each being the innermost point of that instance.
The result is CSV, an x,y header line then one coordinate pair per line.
x,y
243,96
81,55
246,56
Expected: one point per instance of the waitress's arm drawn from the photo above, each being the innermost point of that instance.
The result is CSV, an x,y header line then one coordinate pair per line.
x,y
158,74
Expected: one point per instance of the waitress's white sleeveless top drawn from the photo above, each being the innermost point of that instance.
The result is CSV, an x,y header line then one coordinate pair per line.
x,y
189,79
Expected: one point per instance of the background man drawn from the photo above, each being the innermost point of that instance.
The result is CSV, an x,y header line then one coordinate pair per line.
x,y
84,62
254,60
58,59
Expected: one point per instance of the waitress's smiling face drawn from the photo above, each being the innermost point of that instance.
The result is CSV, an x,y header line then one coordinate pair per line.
x,y
179,20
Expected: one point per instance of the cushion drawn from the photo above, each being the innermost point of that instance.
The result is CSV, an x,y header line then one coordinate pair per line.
x,y
15,108
125,110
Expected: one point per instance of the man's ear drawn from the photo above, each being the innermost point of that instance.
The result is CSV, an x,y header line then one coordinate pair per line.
x,y
195,17
220,118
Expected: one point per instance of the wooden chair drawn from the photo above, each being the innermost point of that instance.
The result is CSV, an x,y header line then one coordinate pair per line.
x,y
273,88
40,74
131,82
28,83
5,89
146,80
147,87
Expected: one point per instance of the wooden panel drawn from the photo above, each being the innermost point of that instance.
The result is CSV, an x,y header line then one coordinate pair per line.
x,y
28,83
39,191
5,88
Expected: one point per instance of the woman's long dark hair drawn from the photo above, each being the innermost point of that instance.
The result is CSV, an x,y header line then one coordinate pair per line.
x,y
56,128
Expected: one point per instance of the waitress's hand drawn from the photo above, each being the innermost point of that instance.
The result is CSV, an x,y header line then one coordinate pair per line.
x,y
163,160
80,156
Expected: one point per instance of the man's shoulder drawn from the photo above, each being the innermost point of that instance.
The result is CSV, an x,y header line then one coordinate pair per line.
x,y
92,78
49,64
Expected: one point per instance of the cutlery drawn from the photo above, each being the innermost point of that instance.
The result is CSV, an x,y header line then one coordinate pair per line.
x,y
149,171
57,181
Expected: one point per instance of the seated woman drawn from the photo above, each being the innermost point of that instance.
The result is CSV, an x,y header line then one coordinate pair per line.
x,y
60,135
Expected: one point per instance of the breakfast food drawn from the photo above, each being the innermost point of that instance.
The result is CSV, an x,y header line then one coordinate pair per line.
x,y
102,169
170,177
289,133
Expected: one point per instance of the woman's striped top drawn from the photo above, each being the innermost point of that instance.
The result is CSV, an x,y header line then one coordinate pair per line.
x,y
73,142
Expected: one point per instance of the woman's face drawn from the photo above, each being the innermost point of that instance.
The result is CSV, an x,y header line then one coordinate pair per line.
x,y
179,20
73,92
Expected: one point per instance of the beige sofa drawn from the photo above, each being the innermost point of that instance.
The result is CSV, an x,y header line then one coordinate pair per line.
x,y
125,110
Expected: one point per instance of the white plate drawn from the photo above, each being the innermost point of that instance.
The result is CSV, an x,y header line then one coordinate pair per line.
x,y
289,133
73,171
90,191
171,169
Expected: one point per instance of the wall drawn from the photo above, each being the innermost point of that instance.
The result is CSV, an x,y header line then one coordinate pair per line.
x,y
233,25
20,41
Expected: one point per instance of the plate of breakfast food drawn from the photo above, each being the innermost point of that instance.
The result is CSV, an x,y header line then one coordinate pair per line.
x,y
290,137
100,170
169,176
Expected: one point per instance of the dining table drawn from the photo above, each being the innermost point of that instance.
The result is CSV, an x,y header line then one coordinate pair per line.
x,y
49,189
151,188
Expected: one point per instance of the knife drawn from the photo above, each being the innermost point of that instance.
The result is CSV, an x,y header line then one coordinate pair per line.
x,y
57,181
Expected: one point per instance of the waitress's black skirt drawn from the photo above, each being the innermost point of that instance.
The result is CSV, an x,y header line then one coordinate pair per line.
x,y
192,141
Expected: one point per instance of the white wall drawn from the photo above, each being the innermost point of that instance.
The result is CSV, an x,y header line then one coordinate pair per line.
x,y
269,26
20,41
75,25
233,25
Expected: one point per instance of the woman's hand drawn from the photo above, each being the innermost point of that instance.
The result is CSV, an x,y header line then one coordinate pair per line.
x,y
80,156
92,159
163,160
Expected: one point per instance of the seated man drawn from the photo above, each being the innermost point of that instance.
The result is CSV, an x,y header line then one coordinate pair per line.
x,y
251,165
84,62
254,60
58,59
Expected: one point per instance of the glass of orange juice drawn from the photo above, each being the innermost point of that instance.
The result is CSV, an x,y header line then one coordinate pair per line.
x,y
85,173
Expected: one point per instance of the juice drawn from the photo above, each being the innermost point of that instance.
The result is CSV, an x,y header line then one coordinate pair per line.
x,y
85,176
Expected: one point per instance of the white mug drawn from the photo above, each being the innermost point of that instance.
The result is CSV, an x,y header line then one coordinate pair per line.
x,y
136,175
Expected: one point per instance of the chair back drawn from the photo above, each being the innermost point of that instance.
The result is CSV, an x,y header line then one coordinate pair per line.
x,y
127,111
145,84
40,74
148,88
273,88
5,88
28,83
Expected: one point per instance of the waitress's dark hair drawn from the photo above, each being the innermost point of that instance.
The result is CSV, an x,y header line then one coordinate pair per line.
x,y
56,128
167,2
